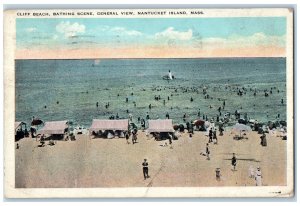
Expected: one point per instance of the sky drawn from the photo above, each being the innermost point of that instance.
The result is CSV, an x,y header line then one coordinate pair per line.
x,y
78,38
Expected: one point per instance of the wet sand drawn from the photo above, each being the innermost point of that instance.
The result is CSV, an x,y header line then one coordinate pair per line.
x,y
100,162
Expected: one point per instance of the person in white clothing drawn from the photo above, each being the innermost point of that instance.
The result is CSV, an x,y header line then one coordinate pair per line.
x,y
251,172
258,177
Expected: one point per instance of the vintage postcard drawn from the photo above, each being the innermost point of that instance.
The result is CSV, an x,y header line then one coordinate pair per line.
x,y
149,103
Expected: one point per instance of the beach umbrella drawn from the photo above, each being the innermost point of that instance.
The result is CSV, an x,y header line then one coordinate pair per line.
x,y
207,124
199,122
36,122
241,128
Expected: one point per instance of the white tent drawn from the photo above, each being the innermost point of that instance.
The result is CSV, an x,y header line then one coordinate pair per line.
x,y
161,125
119,124
54,127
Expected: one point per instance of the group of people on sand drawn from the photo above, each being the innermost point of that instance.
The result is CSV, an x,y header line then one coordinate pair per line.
x,y
256,175
213,139
133,134
43,141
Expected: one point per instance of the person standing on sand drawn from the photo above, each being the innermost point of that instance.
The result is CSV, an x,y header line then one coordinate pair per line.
x,y
134,136
218,174
221,130
207,151
215,137
42,140
32,131
170,141
258,177
263,140
251,172
145,169
210,135
233,161
127,138
143,124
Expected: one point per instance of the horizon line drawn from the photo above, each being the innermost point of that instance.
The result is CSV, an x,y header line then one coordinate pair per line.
x,y
154,58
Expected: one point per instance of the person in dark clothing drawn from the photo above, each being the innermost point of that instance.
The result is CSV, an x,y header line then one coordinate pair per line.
x,y
143,123
145,169
218,174
32,131
207,151
170,141
263,140
210,134
42,141
134,136
233,161
215,136
188,126
127,138
184,117
221,131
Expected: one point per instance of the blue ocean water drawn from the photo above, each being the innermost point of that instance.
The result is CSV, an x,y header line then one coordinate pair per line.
x,y
70,89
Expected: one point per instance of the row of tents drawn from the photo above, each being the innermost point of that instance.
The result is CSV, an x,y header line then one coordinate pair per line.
x,y
62,127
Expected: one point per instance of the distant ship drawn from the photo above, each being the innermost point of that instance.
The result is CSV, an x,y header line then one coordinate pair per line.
x,y
96,62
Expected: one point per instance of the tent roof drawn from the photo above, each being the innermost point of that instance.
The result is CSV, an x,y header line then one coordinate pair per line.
x,y
99,124
17,124
161,125
54,127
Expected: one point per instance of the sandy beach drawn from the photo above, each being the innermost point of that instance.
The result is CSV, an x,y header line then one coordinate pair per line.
x,y
99,162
